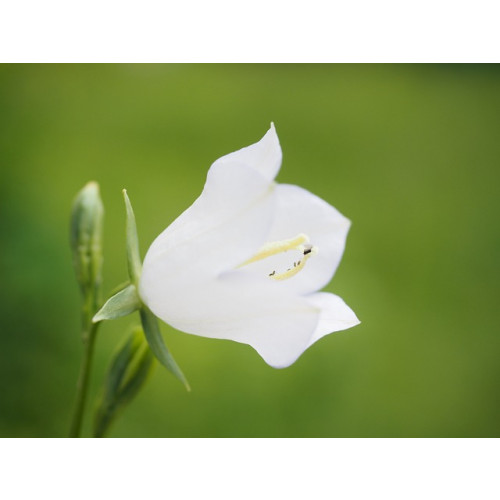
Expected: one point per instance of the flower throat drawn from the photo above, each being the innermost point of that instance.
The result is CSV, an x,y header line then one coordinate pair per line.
x,y
300,243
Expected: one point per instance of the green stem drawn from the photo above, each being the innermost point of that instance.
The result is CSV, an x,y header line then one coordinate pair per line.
x,y
89,335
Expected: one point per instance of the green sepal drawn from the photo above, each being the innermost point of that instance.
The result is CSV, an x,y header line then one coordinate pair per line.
x,y
148,319
129,370
133,257
157,345
121,304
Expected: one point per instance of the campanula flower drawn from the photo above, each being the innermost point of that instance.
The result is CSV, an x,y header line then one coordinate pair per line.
x,y
247,259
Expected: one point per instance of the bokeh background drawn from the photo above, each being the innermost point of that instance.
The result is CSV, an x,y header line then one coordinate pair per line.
x,y
409,153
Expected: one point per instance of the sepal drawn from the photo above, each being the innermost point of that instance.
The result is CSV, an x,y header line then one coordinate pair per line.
x,y
157,345
121,304
148,319
133,257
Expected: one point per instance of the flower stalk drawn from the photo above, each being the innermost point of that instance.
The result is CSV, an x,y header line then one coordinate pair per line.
x,y
88,336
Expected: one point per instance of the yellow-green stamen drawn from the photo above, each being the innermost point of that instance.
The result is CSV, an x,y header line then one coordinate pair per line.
x,y
300,243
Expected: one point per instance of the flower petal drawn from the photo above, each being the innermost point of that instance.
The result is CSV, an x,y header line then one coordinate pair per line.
x,y
335,315
238,306
223,227
264,156
299,211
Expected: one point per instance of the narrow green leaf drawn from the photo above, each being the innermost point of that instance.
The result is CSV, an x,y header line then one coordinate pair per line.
x,y
133,257
129,369
157,345
121,304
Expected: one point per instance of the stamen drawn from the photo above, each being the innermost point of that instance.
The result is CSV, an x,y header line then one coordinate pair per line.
x,y
300,243
276,247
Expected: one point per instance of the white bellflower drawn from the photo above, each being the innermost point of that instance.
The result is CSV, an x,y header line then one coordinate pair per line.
x,y
246,260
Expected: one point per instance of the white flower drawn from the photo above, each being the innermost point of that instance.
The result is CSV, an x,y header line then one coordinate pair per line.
x,y
246,260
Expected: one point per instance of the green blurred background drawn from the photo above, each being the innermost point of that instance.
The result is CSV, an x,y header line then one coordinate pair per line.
x,y
409,153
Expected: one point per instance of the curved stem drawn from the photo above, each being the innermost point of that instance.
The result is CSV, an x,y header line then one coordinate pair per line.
x,y
89,334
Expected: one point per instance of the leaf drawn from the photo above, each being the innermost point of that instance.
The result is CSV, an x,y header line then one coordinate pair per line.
x,y
157,345
133,256
121,304
128,372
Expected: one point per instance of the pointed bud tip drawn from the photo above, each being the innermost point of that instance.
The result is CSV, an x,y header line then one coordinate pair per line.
x,y
91,187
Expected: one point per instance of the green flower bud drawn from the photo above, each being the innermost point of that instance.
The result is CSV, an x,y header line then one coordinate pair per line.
x,y
127,374
86,239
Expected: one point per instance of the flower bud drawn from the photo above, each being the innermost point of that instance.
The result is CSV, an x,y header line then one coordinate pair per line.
x,y
86,238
